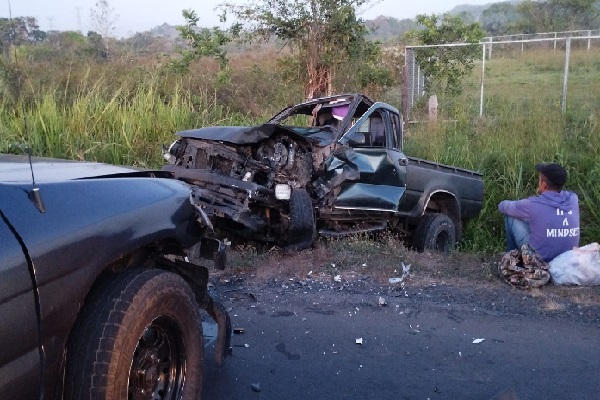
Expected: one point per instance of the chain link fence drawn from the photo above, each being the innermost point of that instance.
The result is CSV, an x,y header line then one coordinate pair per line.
x,y
553,72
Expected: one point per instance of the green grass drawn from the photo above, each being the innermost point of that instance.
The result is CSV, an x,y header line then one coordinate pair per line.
x,y
122,113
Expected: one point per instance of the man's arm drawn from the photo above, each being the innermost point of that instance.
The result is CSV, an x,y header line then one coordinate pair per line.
x,y
515,208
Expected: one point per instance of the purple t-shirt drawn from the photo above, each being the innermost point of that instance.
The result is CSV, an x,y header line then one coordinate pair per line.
x,y
553,220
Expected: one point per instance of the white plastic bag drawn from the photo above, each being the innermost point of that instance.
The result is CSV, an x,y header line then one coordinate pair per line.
x,y
580,266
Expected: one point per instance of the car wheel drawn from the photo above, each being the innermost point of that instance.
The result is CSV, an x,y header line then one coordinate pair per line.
x,y
435,232
302,229
139,338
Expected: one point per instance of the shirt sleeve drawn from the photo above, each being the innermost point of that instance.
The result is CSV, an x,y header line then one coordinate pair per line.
x,y
516,208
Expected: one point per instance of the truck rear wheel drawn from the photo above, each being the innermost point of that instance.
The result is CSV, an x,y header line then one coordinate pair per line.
x,y
302,229
435,232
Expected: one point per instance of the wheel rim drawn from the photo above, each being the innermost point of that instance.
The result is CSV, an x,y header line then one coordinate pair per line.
x,y
158,365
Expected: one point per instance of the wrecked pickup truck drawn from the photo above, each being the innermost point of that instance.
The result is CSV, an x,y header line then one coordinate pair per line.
x,y
331,166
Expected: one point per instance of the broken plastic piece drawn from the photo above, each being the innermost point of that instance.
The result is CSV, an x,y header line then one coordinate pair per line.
x,y
476,341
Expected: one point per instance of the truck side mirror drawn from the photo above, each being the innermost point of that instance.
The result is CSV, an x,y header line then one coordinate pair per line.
x,y
357,139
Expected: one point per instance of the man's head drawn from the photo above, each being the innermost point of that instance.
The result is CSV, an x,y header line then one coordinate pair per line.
x,y
552,177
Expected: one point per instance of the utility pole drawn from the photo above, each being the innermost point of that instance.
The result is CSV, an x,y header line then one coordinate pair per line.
x,y
78,9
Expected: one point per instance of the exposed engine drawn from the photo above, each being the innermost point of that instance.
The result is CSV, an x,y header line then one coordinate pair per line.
x,y
279,159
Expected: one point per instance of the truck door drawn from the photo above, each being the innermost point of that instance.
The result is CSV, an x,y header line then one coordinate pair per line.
x,y
20,371
381,164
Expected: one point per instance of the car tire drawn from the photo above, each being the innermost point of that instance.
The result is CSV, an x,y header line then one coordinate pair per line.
x,y
435,232
140,337
302,229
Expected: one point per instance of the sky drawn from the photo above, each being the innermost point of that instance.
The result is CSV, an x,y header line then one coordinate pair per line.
x,y
142,15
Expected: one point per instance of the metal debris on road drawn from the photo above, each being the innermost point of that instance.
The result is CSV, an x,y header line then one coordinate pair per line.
x,y
255,387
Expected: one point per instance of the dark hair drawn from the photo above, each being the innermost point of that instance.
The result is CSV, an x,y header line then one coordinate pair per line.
x,y
549,183
553,174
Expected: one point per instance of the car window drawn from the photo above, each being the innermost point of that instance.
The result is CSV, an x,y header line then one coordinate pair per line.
x,y
374,132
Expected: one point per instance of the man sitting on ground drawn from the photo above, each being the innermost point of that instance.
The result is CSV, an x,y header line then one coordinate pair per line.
x,y
549,222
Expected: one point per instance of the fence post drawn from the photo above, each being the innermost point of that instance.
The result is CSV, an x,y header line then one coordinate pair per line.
x,y
566,75
482,80
491,39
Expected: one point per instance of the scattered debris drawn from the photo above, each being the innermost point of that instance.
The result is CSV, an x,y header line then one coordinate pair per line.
x,y
394,281
255,387
238,331
359,340
337,278
382,302
476,341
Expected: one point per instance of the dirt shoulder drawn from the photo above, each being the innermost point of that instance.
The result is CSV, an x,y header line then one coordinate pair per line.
x,y
385,268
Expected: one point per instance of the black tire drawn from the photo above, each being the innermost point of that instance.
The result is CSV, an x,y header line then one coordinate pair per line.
x,y
302,229
435,232
139,338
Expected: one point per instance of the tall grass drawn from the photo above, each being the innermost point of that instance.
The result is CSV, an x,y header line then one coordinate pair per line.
x,y
122,114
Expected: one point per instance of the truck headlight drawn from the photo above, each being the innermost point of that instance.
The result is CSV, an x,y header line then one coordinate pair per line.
x,y
283,191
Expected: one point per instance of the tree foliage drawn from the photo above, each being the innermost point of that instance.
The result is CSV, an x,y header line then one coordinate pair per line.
x,y
204,42
557,15
323,34
18,31
445,67
499,18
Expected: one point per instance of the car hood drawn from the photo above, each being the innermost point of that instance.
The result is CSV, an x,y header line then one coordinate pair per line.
x,y
243,135
15,168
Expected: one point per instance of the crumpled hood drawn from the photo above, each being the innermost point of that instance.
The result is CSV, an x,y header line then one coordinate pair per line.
x,y
232,134
244,135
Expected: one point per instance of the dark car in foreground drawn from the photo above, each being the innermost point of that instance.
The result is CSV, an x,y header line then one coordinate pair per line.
x,y
97,299
333,166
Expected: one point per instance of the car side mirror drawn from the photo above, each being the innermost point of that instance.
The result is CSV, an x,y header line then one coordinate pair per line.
x,y
357,139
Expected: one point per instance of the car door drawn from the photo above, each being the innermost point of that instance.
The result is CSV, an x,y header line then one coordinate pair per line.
x,y
20,369
381,164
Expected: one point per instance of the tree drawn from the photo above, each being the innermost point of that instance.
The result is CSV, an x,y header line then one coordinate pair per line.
x,y
104,20
557,15
445,67
499,18
578,14
323,34
18,31
537,16
204,42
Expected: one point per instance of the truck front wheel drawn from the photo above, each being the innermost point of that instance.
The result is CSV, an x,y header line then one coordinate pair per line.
x,y
140,337
302,230
435,232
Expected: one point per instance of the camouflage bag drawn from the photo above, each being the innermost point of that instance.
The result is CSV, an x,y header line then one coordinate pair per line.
x,y
524,269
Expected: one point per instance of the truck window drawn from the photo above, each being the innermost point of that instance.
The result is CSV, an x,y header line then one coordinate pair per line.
x,y
373,130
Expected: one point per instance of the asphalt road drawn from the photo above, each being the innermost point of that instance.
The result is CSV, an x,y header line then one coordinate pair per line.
x,y
300,342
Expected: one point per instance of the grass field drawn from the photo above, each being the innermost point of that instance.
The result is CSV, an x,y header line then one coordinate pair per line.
x,y
122,112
